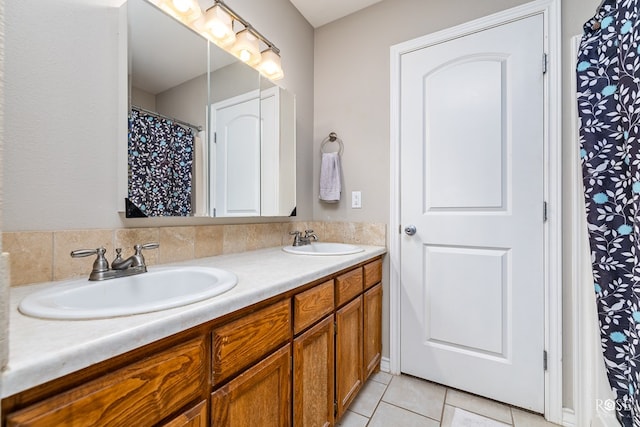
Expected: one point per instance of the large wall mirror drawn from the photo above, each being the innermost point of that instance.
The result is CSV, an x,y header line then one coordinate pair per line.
x,y
208,136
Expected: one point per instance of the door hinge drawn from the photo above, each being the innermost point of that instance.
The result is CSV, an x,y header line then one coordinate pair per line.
x,y
544,212
335,408
215,137
399,228
544,359
335,328
545,63
214,212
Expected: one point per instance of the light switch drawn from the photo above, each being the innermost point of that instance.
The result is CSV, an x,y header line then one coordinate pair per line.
x,y
356,199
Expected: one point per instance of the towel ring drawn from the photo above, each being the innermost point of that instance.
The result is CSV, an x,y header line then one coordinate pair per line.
x,y
333,137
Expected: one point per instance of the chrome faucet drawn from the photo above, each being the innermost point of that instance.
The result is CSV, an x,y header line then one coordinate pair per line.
x,y
300,240
135,264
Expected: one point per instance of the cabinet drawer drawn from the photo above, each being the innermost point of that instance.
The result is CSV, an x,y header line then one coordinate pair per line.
x,y
372,273
348,285
141,394
312,305
242,342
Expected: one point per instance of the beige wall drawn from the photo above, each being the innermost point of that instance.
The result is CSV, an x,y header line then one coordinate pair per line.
x,y
351,89
62,127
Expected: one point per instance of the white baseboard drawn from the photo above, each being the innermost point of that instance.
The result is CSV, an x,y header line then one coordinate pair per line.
x,y
385,366
568,417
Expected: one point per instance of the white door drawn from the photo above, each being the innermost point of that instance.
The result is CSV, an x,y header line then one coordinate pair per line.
x,y
236,156
471,144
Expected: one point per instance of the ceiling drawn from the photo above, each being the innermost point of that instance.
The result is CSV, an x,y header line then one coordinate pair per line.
x,y
322,12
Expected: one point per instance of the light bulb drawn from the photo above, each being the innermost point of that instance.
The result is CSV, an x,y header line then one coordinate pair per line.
x,y
271,66
245,55
218,26
246,48
182,6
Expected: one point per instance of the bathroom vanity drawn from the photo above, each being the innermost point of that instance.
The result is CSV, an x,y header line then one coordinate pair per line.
x,y
291,344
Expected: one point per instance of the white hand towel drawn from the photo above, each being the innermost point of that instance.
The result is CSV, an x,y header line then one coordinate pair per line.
x,y
330,185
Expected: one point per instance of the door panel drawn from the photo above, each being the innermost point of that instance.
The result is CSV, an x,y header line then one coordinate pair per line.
x,y
471,144
464,102
236,156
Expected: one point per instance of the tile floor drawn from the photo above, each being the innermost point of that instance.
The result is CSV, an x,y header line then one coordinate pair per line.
x,y
403,401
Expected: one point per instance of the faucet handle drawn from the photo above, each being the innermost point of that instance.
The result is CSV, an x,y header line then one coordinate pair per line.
x,y
138,248
307,232
296,237
138,258
151,245
100,264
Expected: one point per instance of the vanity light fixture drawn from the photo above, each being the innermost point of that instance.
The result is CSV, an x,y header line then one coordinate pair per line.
x,y
246,47
271,65
216,24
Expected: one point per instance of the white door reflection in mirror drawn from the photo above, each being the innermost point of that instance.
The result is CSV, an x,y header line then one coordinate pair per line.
x,y
235,153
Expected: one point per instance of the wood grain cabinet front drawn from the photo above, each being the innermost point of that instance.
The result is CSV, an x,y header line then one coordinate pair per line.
x,y
260,396
141,394
312,305
372,329
313,376
242,342
372,273
349,349
348,286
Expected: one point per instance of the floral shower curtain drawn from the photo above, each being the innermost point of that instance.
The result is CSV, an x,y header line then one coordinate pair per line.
x,y
160,165
608,74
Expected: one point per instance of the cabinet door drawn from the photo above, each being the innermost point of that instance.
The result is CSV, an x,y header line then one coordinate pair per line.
x,y
348,353
372,327
313,390
260,396
193,417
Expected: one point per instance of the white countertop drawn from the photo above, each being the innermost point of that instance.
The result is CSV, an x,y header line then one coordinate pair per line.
x,y
43,350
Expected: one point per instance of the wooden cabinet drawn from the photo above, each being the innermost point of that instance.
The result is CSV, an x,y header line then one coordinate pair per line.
x,y
312,305
297,359
349,349
242,342
348,286
372,273
372,329
146,391
193,417
313,376
260,396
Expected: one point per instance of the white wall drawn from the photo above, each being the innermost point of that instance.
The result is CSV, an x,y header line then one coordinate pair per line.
x,y
62,125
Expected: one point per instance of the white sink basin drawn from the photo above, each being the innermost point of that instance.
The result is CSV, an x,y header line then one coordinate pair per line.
x,y
323,248
155,290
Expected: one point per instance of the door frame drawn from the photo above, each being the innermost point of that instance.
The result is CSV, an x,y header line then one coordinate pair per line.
x,y
550,9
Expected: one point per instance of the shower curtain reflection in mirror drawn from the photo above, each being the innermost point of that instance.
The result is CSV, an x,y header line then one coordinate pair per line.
x,y
160,155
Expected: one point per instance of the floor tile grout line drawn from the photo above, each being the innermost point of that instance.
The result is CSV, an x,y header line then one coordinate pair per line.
x,y
444,405
386,386
408,410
